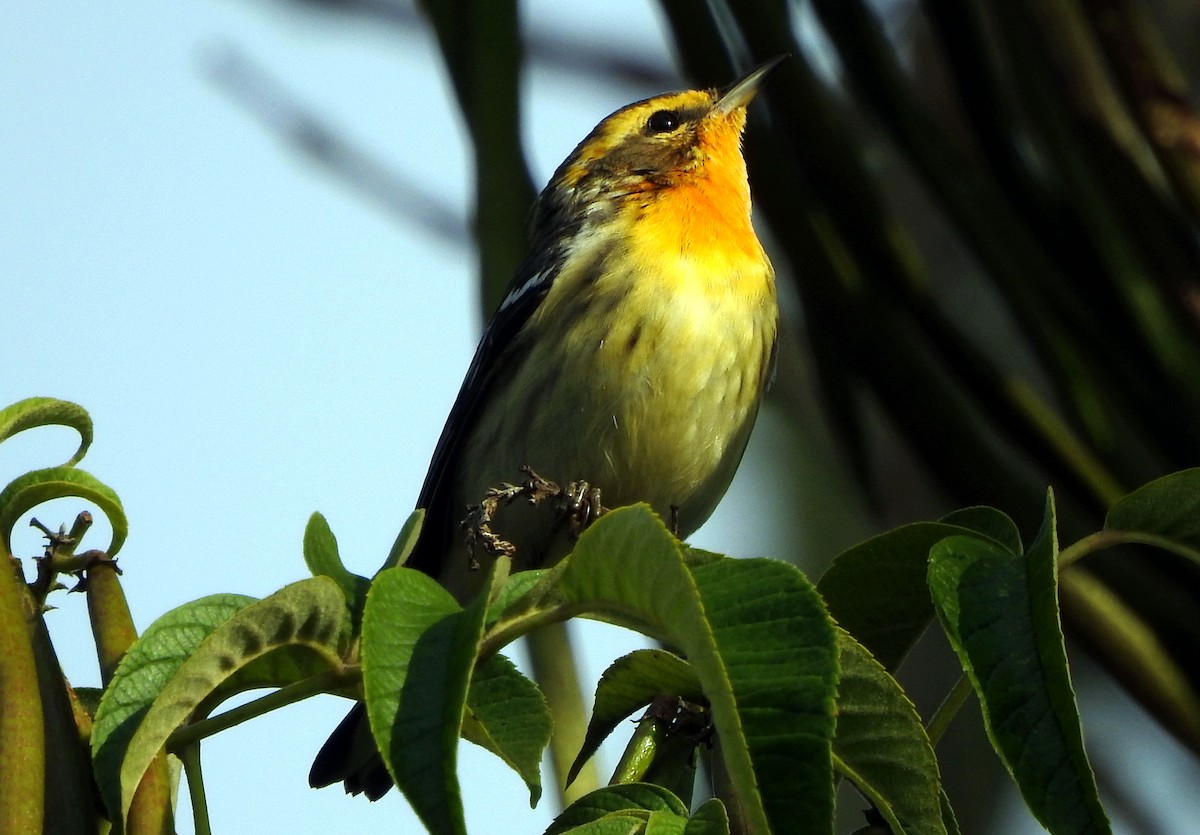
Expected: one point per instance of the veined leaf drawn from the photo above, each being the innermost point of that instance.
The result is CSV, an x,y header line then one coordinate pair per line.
x,y
1168,508
610,801
413,624
759,639
143,673
877,590
665,823
618,823
308,616
406,540
323,560
47,411
989,522
514,588
710,819
1000,612
631,683
508,715
881,744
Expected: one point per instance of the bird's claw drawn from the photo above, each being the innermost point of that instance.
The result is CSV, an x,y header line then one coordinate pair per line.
x,y
577,506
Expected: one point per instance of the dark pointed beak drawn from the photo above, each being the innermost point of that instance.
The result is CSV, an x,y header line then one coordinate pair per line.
x,y
742,91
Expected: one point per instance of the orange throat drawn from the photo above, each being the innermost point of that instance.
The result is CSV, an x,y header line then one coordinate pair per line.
x,y
704,217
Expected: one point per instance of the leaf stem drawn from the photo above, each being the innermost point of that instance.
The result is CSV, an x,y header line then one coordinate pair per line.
x,y
948,709
190,755
1107,538
554,669
185,737
511,627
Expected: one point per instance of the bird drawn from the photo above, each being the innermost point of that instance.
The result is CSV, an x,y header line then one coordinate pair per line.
x,y
629,355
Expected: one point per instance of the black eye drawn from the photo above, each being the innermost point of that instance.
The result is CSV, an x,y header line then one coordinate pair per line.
x,y
662,121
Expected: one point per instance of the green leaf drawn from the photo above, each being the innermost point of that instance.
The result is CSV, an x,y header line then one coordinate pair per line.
x,y
631,683
624,823
758,637
665,823
33,488
323,560
989,522
877,590
612,800
406,540
710,819
514,588
1168,507
46,411
143,673
1137,623
1000,612
285,665
775,651
881,744
308,616
698,556
412,624
508,715
948,819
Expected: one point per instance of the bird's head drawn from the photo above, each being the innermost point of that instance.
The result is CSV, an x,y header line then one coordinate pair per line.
x,y
660,142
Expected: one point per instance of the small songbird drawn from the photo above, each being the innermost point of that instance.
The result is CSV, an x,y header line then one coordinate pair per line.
x,y
631,353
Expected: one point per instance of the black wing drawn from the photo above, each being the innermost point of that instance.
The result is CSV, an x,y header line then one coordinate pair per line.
x,y
349,754
494,358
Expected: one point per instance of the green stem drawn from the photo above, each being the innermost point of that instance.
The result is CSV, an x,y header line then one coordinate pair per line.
x,y
948,709
190,755
554,669
1107,539
185,737
22,745
520,624
639,754
511,628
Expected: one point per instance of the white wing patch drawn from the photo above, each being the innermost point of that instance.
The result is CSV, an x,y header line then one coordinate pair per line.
x,y
532,283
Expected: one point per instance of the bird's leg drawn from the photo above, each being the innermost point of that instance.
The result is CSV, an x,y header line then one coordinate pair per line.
x,y
674,521
478,523
538,488
579,506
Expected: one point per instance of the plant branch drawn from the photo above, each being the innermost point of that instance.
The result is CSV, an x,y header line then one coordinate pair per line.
x,y
948,709
1107,539
297,692
190,755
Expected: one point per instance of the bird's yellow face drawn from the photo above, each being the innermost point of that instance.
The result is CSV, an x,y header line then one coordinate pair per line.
x,y
677,139
656,143
672,165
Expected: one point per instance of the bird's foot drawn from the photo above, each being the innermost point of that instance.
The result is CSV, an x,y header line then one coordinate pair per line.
x,y
576,506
